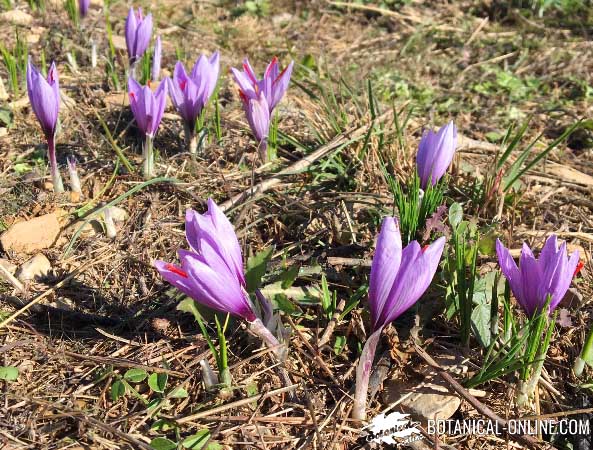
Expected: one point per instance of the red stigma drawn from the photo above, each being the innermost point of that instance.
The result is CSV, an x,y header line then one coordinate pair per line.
x,y
148,82
249,74
242,95
579,267
425,248
176,270
132,95
182,84
280,75
272,63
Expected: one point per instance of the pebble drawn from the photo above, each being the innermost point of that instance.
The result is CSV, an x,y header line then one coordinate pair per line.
x,y
35,268
32,235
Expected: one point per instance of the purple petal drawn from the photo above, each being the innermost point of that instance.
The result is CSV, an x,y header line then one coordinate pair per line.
x,y
130,30
143,33
509,269
258,116
216,289
384,268
246,86
83,7
531,278
156,59
44,97
416,272
280,85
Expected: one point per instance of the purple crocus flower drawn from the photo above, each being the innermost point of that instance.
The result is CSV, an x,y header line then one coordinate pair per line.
x,y
83,7
435,154
260,97
274,83
211,272
535,279
398,279
190,94
156,59
148,107
138,31
44,95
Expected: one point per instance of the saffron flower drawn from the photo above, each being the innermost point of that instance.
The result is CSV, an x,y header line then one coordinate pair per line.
x,y
211,272
435,154
156,59
148,109
260,96
138,30
44,95
190,94
83,7
536,279
398,279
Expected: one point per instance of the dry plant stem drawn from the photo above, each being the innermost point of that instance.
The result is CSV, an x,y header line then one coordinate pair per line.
x,y
191,138
237,404
56,178
329,329
4,273
480,407
363,374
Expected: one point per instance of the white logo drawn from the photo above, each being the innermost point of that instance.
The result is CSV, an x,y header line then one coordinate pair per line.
x,y
392,429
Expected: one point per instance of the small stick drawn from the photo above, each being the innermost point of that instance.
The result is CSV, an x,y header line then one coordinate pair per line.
x,y
329,330
314,354
238,403
480,407
4,273
124,363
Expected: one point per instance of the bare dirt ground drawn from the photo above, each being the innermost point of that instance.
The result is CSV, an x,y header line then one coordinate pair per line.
x,y
105,310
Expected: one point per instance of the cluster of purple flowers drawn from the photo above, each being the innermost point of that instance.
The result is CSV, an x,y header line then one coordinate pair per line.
x,y
189,93
211,271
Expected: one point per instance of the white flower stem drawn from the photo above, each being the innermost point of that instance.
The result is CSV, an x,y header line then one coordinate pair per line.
x,y
363,374
191,139
56,178
148,158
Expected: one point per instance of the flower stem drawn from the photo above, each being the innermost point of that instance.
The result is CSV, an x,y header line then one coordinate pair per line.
x,y
133,68
147,158
191,139
258,327
263,150
363,374
56,178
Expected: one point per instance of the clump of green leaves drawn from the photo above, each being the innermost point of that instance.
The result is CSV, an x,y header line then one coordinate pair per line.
x,y
15,61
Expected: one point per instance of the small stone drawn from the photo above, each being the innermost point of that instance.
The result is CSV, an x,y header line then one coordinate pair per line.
x,y
89,229
428,401
118,214
16,17
8,265
3,130
35,268
32,235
